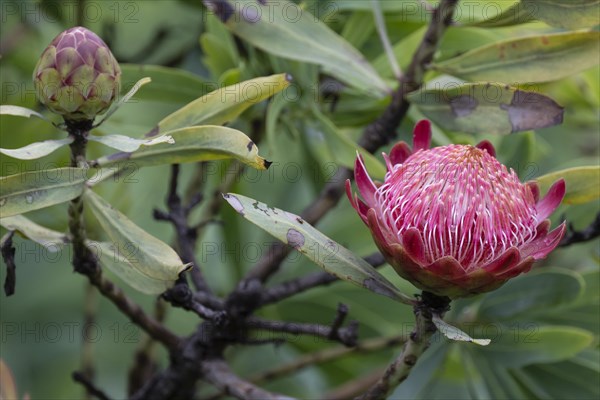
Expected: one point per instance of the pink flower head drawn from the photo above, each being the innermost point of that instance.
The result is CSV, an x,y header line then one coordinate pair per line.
x,y
453,220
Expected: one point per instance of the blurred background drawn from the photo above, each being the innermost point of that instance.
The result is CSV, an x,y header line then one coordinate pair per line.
x,y
549,349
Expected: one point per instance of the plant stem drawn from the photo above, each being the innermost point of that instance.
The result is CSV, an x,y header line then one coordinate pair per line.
x,y
415,346
83,259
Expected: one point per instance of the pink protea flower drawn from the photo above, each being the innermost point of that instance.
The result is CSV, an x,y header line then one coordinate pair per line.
x,y
453,220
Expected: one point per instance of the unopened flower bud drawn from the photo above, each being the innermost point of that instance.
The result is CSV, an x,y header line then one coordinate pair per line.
x,y
77,76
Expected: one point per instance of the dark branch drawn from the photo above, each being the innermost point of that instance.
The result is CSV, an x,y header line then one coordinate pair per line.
x,y
218,373
572,236
186,236
8,255
137,315
298,285
89,386
347,336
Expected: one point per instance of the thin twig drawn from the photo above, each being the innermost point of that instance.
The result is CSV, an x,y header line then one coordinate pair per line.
x,y
326,355
416,344
144,365
289,288
220,375
354,387
346,336
135,313
572,236
89,386
186,236
385,40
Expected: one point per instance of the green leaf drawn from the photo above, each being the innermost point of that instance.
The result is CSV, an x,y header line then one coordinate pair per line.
x,y
168,84
305,38
223,105
125,98
37,149
145,253
112,258
453,333
569,14
570,379
538,291
486,108
543,344
129,144
327,254
583,183
198,143
19,111
530,59
518,13
30,191
50,239
342,148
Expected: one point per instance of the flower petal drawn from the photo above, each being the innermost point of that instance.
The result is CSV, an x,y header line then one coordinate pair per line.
x,y
535,190
520,268
399,153
544,244
422,135
548,204
447,268
388,162
366,187
504,262
381,239
487,146
414,246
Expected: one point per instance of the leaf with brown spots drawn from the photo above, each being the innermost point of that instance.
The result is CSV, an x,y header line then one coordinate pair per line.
x,y
486,108
327,254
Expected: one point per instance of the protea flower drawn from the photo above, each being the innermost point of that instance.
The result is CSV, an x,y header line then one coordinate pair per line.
x,y
77,76
453,220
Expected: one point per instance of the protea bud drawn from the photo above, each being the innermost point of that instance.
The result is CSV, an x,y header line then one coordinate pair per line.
x,y
453,220
77,76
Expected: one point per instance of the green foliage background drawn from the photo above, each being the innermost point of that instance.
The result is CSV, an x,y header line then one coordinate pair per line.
x,y
544,325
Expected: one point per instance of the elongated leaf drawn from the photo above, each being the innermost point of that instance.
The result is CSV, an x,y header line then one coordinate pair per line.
x,y
223,105
305,38
453,333
50,239
538,291
569,14
30,191
19,111
518,13
486,108
537,344
145,253
199,143
323,251
531,59
570,379
129,144
583,183
342,147
37,149
125,98
172,85
112,258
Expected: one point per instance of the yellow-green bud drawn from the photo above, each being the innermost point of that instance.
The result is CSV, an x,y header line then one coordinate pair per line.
x,y
77,76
